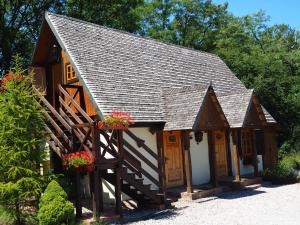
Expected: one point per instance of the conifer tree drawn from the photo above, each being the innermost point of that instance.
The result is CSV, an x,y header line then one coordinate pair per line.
x,y
22,141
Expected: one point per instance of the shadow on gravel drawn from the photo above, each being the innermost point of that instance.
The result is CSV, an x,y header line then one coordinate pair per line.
x,y
148,215
240,194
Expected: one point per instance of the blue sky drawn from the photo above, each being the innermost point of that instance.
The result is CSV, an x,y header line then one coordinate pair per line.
x,y
280,11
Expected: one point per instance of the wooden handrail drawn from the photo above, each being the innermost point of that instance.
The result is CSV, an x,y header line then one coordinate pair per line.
x,y
78,108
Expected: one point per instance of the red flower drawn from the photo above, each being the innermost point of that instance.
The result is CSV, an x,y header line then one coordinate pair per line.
x,y
11,77
116,120
78,159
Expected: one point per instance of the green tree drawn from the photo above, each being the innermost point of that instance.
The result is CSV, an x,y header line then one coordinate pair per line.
x,y
191,23
156,19
266,58
118,14
22,142
19,27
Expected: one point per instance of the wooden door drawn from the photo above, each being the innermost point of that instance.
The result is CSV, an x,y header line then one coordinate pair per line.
x,y
221,168
173,159
270,151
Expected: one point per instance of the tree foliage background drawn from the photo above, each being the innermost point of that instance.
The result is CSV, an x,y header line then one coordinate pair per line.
x,y
265,57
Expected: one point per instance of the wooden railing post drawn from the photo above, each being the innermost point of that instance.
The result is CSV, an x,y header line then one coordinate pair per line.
x,y
236,158
78,203
97,193
187,161
118,188
161,163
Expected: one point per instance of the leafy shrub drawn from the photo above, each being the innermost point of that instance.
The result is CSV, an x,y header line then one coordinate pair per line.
x,y
280,174
58,211
52,191
286,171
54,206
291,161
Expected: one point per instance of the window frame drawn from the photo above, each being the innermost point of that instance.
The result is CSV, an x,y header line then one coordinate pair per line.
x,y
70,74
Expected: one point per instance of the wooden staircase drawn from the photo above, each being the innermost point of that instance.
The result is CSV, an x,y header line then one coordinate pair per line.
x,y
70,129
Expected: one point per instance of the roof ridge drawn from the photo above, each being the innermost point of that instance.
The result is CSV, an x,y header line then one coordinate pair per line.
x,y
172,90
132,34
240,92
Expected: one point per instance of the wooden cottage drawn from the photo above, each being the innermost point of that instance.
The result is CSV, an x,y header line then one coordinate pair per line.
x,y
195,122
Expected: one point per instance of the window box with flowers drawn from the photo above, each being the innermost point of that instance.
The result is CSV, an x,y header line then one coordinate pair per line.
x,y
81,160
116,121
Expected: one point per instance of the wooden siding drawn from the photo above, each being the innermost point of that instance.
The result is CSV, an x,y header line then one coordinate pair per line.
x,y
89,107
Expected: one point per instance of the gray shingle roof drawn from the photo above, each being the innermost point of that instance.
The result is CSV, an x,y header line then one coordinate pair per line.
x,y
235,107
180,114
121,71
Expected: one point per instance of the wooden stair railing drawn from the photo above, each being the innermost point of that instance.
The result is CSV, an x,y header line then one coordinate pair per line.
x,y
55,126
64,125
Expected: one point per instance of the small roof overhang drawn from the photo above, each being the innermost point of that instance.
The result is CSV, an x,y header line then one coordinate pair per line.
x,y
193,108
243,110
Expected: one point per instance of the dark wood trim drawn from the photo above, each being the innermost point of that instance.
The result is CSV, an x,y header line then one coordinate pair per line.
x,y
187,161
157,125
236,155
78,201
161,162
183,158
228,151
118,191
97,189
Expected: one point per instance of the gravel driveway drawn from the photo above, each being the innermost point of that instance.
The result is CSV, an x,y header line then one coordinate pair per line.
x,y
265,205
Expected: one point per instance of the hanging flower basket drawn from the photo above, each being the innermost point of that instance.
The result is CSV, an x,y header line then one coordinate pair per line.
x,y
82,161
116,121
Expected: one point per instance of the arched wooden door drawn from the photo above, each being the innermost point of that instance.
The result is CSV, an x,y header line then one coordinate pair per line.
x,y
221,168
173,158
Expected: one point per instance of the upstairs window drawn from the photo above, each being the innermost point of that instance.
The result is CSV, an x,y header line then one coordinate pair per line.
x,y
70,73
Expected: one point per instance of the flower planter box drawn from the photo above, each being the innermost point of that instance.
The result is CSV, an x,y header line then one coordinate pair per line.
x,y
82,161
116,121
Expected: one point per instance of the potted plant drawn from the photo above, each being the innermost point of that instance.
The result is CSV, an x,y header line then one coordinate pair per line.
x,y
81,160
116,121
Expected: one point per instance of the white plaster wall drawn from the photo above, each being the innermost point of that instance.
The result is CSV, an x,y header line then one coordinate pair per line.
x,y
200,160
245,169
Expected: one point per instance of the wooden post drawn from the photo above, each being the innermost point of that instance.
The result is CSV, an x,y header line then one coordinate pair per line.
x,y
98,191
236,160
118,191
187,161
161,163
212,160
255,161
118,188
229,164
78,203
